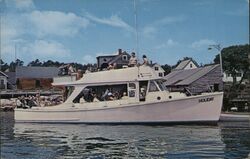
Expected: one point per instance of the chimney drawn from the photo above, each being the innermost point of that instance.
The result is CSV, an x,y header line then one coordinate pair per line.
x,y
119,51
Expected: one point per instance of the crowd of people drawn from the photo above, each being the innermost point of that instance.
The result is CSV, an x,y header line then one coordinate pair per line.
x,y
133,61
38,101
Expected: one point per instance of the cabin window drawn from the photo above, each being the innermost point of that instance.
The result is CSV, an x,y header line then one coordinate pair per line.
x,y
67,92
131,93
161,85
191,65
132,89
132,86
153,87
102,93
156,68
160,74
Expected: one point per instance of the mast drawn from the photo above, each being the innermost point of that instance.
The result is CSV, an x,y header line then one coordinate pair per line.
x,y
136,28
136,35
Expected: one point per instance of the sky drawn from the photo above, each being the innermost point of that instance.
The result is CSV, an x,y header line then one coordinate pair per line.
x,y
79,30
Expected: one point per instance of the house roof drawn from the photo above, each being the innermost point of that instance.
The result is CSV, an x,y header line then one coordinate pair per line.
x,y
3,74
36,72
11,77
183,64
118,57
186,77
105,56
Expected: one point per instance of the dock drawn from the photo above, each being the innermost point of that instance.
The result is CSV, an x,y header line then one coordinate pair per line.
x,y
6,94
235,117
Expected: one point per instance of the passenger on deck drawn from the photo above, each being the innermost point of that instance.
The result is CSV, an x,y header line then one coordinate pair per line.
x,y
19,104
145,60
95,98
110,96
111,66
125,96
142,94
132,60
71,70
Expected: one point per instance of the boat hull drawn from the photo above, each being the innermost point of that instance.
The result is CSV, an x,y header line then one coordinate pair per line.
x,y
197,109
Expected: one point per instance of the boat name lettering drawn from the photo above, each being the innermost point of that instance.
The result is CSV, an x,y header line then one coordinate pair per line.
x,y
206,99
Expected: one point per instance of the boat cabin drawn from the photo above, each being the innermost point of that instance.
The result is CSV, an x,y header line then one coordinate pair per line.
x,y
116,87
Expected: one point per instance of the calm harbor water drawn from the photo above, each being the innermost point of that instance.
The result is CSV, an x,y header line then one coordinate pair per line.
x,y
48,141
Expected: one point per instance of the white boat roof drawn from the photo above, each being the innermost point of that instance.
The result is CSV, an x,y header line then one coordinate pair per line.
x,y
115,76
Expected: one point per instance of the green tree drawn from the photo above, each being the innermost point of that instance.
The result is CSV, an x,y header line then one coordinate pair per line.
x,y
13,65
4,66
166,68
235,60
51,63
35,63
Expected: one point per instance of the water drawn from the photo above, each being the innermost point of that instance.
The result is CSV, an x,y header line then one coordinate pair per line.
x,y
68,141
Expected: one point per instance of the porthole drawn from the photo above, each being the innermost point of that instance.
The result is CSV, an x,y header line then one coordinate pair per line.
x,y
170,97
158,98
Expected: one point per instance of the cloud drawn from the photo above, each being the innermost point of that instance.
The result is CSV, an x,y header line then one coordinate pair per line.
x,y
57,23
201,44
167,44
43,48
88,59
24,28
151,29
114,21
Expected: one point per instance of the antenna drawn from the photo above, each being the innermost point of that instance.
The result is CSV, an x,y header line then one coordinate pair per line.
x,y
136,28
15,53
136,35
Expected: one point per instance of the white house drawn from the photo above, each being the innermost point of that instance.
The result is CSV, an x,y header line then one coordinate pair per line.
x,y
3,80
158,69
186,64
229,78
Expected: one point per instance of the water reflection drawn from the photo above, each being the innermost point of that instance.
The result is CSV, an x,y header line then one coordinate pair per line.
x,y
227,140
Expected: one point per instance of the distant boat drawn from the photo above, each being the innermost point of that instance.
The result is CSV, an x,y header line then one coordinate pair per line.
x,y
133,95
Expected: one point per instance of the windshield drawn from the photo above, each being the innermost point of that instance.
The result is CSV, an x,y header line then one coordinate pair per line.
x,y
161,85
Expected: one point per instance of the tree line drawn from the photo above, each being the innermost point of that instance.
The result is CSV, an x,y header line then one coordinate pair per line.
x,y
11,67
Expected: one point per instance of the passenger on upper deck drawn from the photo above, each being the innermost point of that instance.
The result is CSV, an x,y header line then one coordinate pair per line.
x,y
132,60
112,66
145,60
71,70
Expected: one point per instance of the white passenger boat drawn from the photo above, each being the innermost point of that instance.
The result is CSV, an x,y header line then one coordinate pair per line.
x,y
138,96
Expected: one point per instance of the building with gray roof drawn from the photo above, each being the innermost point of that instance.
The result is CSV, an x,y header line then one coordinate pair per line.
x,y
36,72
196,80
28,77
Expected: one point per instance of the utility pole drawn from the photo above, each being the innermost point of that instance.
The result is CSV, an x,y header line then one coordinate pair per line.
x,y
217,47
